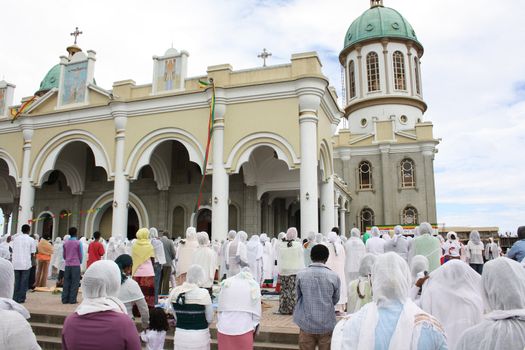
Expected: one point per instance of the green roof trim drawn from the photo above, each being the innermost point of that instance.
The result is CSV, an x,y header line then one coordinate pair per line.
x,y
51,79
379,22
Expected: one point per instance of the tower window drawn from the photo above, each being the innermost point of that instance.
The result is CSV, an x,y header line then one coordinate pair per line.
x,y
410,216
365,175
351,78
367,218
399,71
416,76
408,171
372,68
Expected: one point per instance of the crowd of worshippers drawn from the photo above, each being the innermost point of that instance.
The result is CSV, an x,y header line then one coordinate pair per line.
x,y
368,291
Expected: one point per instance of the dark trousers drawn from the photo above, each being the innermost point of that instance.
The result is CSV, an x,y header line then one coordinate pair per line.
x,y
165,280
32,277
477,267
308,341
21,285
157,268
71,284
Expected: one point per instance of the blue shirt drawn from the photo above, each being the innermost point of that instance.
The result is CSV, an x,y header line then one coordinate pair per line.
x,y
517,252
317,293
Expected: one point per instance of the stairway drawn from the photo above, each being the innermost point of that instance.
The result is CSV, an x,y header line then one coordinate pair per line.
x,y
48,331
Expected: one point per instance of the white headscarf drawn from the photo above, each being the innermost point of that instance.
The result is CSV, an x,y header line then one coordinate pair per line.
x,y
153,233
355,251
291,234
503,294
203,239
452,294
418,264
7,285
366,265
100,287
264,238
375,231
191,234
425,228
4,248
474,237
336,242
231,235
319,238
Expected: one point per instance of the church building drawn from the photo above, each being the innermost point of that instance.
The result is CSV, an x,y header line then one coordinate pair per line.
x,y
260,149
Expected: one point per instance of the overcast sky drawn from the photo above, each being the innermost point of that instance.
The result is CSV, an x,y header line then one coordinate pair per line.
x,y
472,70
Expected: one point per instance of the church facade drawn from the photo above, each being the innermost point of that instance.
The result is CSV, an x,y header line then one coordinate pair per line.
x,y
114,160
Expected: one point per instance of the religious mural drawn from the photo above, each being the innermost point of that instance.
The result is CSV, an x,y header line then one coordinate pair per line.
x,y
3,93
75,77
168,77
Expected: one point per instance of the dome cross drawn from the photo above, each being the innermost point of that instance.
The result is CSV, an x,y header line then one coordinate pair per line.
x,y
264,55
76,33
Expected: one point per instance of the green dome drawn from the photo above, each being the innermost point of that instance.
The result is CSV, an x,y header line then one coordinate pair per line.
x,y
379,22
50,80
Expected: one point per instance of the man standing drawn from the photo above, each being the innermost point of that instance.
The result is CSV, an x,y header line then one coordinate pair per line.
x,y
73,258
169,254
426,245
24,249
95,249
318,291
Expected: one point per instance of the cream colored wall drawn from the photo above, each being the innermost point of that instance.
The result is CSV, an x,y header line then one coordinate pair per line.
x,y
275,116
13,144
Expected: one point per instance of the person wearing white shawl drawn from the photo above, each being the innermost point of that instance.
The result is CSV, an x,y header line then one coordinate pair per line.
x,y
360,289
474,251
239,312
336,262
355,250
185,253
398,244
492,250
426,245
503,293
391,321
237,254
111,251
267,260
419,273
206,258
375,244
308,248
57,256
85,246
15,331
452,294
93,324
319,238
291,261
193,312
223,253
254,253
5,251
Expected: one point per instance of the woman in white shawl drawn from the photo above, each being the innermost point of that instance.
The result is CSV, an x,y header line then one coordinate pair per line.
x,y
355,250
360,289
503,292
193,312
223,253
398,244
15,331
492,250
85,245
291,261
185,253
5,251
268,261
206,258
336,262
237,254
419,273
392,320
375,244
474,252
255,256
112,252
57,256
452,294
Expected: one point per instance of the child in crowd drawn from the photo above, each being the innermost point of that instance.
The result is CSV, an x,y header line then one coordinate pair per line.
x,y
155,335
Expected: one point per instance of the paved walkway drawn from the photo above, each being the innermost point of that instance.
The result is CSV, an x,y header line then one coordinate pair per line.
x,y
48,303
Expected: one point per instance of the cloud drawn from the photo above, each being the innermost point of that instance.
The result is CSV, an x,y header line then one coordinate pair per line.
x,y
472,70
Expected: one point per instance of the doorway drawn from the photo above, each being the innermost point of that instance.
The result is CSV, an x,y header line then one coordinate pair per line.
x,y
204,221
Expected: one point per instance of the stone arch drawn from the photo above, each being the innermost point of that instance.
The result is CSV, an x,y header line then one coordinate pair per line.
x,y
11,164
240,153
46,159
39,224
325,160
141,153
161,173
105,200
73,178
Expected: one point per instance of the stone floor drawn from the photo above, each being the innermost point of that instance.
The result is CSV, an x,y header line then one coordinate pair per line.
x,y
48,303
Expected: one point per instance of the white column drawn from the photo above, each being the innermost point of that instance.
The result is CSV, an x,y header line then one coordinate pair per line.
x,y
27,191
336,214
220,179
430,191
310,91
386,176
342,219
327,205
7,215
121,183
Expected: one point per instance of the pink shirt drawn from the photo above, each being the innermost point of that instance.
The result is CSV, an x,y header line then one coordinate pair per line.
x,y
145,270
106,330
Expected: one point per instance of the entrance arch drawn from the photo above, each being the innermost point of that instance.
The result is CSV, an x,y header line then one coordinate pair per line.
x,y
204,221
45,226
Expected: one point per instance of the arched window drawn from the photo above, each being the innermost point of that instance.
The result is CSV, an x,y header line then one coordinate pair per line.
x,y
408,173
372,69
399,71
365,175
416,75
367,218
410,216
351,78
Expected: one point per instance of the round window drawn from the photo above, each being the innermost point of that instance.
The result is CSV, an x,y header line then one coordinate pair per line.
x,y
403,119
364,122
